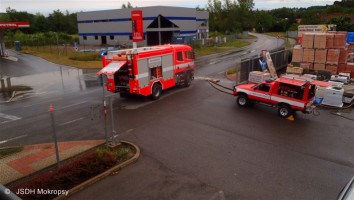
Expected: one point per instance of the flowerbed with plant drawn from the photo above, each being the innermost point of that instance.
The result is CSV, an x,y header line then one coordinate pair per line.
x,y
72,174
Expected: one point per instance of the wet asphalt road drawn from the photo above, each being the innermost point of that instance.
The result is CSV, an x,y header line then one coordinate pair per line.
x,y
196,142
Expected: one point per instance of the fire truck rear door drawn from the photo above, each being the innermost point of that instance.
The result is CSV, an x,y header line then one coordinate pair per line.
x,y
112,68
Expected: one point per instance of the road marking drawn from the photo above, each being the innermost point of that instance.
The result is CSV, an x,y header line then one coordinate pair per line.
x,y
40,103
72,121
15,138
71,105
10,117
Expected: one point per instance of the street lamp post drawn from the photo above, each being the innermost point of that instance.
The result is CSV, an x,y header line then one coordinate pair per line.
x,y
56,35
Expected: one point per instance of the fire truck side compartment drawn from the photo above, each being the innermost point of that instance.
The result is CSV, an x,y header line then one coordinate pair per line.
x,y
144,74
167,66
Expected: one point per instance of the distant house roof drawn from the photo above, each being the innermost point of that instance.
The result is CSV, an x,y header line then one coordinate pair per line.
x,y
329,16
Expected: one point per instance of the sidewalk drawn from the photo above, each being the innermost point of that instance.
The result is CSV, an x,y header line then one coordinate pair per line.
x,y
34,158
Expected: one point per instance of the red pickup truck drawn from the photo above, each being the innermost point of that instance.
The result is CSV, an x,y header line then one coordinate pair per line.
x,y
288,95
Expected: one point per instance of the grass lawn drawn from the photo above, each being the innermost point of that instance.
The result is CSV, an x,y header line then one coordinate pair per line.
x,y
206,50
69,57
274,34
85,60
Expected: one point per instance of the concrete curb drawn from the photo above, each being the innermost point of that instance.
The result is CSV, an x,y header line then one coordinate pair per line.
x,y
102,175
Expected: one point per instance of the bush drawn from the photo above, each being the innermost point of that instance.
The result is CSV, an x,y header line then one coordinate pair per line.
x,y
67,176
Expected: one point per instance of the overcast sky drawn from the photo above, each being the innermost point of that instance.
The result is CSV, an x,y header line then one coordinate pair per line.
x,y
47,6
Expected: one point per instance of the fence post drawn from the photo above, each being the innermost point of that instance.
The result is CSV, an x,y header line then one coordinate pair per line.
x,y
54,134
112,121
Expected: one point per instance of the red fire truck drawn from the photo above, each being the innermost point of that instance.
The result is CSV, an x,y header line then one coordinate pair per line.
x,y
287,94
148,70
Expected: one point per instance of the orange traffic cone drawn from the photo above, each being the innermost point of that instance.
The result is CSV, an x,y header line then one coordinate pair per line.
x,y
291,118
51,109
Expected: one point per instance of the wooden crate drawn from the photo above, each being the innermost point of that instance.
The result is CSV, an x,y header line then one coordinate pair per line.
x,y
330,39
333,56
339,40
309,55
319,66
307,40
343,56
321,56
341,67
320,41
294,70
350,66
306,65
298,53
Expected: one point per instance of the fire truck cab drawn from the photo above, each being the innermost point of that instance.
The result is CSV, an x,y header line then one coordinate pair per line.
x,y
148,70
287,94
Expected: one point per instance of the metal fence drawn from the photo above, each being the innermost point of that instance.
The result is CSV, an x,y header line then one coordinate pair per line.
x,y
292,34
280,60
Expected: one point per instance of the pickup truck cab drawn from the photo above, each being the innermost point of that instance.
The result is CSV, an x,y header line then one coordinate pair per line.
x,y
288,95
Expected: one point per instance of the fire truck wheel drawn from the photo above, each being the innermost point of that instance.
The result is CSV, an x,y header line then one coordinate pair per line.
x,y
188,79
242,100
156,91
284,111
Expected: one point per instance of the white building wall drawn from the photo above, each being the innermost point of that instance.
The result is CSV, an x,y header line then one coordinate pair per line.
x,y
117,23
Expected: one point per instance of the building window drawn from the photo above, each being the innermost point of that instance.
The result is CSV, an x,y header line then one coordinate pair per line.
x,y
111,37
96,37
85,37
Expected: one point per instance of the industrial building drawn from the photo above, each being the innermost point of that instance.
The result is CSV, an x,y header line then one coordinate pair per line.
x,y
161,24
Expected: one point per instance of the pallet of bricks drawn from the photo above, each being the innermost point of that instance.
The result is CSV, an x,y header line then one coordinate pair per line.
x,y
324,51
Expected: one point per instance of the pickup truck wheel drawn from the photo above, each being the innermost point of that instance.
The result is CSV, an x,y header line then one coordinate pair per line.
x,y
285,111
156,91
242,100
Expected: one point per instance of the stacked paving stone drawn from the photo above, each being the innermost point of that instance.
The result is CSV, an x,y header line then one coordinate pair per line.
x,y
324,51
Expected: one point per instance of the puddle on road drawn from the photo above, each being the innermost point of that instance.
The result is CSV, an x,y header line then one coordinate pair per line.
x,y
62,81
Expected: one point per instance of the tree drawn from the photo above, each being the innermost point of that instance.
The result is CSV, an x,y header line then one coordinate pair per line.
x,y
127,6
344,23
40,24
263,21
311,17
15,16
57,21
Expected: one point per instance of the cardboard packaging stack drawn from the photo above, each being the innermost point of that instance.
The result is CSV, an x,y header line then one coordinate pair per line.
x,y
324,51
258,77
